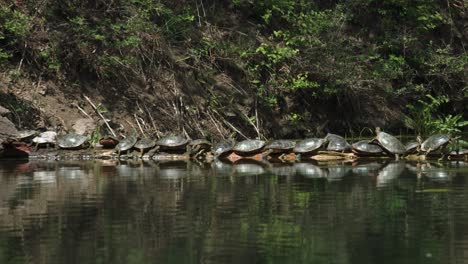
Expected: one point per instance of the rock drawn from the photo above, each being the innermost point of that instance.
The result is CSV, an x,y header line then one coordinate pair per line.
x,y
4,111
84,126
7,128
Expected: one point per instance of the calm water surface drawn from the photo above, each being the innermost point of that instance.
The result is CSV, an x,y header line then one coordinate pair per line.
x,y
177,212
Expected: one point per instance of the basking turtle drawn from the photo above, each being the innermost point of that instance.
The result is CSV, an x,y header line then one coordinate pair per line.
x,y
336,143
435,142
308,146
224,148
363,147
71,141
198,146
389,143
249,146
108,141
45,138
25,135
280,146
144,144
412,147
172,143
126,144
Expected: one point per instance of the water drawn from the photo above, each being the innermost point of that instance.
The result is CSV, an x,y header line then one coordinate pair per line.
x,y
177,212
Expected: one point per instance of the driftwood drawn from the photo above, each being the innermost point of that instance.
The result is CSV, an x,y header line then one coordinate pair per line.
x,y
99,113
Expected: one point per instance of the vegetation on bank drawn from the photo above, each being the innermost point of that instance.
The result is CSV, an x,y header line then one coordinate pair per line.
x,y
273,67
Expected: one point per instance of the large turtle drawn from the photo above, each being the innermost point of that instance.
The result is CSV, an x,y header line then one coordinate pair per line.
x,y
336,143
308,146
71,141
45,138
126,144
435,142
224,148
249,146
25,135
363,147
280,146
144,144
389,143
174,143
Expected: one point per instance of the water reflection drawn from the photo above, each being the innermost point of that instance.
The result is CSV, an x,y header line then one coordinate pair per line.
x,y
178,212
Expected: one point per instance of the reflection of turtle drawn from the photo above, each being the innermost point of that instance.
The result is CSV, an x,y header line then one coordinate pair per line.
x,y
71,141
309,170
224,148
364,148
389,143
125,144
47,139
172,143
308,146
144,144
249,146
336,143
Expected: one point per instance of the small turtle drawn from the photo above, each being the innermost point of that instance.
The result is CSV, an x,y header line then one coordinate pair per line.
x,y
337,143
364,148
172,143
224,148
412,147
280,146
198,146
71,141
435,142
308,146
108,141
25,135
45,138
249,146
126,144
389,143
144,144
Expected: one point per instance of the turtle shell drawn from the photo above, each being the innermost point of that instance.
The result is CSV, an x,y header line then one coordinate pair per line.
x,y
145,143
336,143
281,144
390,143
71,141
412,146
249,146
48,137
363,147
126,144
223,147
172,142
435,142
25,134
308,145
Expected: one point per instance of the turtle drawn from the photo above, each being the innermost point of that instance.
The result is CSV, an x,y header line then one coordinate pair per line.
x,y
336,143
308,146
173,143
249,146
280,146
45,138
144,144
412,147
71,141
459,154
25,135
389,143
224,148
363,147
435,142
198,146
126,144
108,141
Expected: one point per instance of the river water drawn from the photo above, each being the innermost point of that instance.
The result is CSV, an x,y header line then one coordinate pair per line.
x,y
178,212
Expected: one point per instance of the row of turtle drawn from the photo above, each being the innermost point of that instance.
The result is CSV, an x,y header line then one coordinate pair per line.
x,y
382,144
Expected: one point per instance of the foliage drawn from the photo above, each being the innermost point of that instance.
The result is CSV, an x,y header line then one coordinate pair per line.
x,y
425,120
